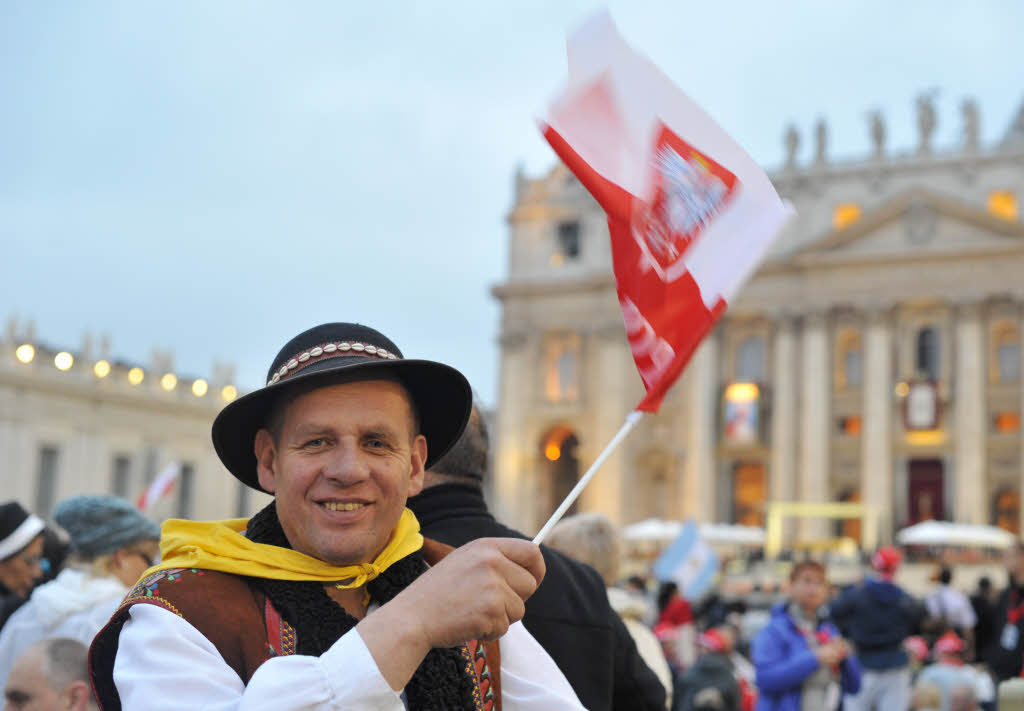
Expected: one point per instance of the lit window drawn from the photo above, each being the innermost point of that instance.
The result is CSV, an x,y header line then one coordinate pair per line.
x,y
1006,510
749,492
1003,204
845,214
850,426
1007,422
561,371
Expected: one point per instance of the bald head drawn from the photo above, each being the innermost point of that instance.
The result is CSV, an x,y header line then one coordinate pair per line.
x,y
50,675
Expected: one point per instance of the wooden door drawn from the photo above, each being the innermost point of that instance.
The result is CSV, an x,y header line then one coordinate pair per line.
x,y
925,494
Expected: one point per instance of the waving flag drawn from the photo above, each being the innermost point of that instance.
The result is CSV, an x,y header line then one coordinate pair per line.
x,y
161,486
688,562
690,213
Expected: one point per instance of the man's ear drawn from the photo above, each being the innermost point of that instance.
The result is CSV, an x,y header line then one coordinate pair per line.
x,y
77,695
266,460
418,457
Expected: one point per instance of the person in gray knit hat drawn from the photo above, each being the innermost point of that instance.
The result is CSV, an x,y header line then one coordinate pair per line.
x,y
112,544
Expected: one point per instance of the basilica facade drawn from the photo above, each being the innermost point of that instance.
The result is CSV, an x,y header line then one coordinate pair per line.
x,y
875,356
78,420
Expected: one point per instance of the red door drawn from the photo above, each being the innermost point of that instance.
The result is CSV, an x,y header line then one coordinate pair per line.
x,y
925,486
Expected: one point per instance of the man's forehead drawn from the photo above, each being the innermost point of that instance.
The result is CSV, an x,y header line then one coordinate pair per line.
x,y
375,397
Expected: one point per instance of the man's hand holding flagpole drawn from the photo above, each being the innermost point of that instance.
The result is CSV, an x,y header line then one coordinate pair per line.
x,y
690,214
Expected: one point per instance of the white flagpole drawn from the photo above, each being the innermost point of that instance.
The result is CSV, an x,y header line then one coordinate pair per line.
x,y
631,420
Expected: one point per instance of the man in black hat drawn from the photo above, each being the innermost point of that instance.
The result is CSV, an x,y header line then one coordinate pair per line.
x,y
21,552
324,599
570,614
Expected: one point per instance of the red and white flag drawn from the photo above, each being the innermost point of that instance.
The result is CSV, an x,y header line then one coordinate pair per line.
x,y
690,213
161,486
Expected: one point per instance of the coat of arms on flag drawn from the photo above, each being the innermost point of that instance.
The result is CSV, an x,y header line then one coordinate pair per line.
x,y
689,190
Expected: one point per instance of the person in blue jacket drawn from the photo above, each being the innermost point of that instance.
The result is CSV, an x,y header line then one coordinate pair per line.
x,y
802,662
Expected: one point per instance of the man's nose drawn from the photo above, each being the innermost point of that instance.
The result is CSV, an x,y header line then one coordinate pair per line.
x,y
347,464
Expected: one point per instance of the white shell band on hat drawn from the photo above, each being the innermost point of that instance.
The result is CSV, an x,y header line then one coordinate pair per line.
x,y
329,350
21,536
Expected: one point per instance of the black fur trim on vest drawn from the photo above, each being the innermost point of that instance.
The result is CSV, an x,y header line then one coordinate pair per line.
x,y
439,684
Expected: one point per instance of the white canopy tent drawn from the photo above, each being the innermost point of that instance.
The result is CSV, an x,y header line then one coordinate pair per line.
x,y
655,529
946,533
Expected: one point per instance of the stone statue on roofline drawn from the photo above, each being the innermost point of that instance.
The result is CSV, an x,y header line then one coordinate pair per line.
x,y
820,142
1015,132
972,125
926,121
876,124
792,142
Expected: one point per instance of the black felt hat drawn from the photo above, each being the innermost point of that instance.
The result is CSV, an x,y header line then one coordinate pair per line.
x,y
344,352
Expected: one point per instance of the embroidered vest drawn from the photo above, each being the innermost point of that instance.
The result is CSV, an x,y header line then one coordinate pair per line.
x,y
247,630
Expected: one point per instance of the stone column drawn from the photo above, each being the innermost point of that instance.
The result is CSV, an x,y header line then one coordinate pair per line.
x,y
784,369
610,490
511,452
876,433
782,472
700,469
970,485
1020,377
815,430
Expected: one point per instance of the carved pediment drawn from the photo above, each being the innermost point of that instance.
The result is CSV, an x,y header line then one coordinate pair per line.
x,y
912,225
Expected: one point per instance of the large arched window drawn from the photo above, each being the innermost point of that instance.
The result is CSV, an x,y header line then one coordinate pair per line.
x,y
1004,356
927,353
749,492
560,465
1006,510
849,360
750,360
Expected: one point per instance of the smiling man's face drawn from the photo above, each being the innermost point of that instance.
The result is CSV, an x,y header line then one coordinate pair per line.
x,y
342,467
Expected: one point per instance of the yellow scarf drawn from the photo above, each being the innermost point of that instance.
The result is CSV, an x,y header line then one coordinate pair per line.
x,y
220,546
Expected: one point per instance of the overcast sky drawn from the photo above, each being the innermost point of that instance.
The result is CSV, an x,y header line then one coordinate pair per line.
x,y
214,177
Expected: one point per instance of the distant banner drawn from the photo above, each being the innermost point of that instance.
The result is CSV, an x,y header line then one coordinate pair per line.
x,y
161,486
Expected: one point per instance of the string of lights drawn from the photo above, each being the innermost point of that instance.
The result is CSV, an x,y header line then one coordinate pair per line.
x,y
26,354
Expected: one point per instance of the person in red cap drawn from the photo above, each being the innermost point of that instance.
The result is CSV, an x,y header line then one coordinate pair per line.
x,y
949,671
877,617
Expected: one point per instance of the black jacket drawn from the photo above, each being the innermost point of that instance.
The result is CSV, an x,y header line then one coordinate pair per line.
x,y
1007,663
569,615
711,671
9,603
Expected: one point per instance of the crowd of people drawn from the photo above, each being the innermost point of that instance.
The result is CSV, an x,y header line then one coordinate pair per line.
x,y
378,578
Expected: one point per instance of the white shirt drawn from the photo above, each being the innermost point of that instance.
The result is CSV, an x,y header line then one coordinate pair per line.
x,y
953,606
163,662
75,604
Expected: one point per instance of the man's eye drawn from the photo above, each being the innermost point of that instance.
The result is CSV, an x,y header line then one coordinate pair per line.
x,y
314,443
376,444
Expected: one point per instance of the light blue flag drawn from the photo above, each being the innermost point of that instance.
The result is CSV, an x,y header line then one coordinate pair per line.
x,y
688,562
